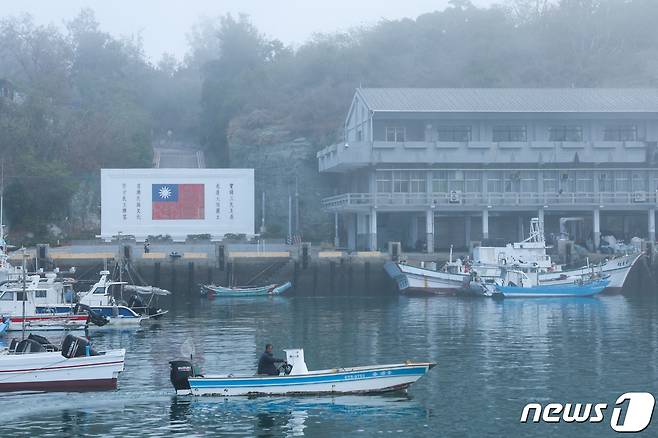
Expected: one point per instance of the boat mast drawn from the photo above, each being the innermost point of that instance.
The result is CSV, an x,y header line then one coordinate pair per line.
x,y
2,201
24,293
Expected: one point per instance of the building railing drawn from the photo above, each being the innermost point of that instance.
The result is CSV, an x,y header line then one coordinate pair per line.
x,y
457,199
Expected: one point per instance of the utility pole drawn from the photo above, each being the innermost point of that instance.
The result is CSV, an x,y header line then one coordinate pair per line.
x,y
296,205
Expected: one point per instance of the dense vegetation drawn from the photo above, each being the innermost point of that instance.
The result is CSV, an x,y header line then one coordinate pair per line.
x,y
85,99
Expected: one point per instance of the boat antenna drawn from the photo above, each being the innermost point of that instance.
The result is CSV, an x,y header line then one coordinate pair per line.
x,y
24,293
450,254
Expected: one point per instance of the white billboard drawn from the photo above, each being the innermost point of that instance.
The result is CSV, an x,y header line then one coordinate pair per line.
x,y
176,202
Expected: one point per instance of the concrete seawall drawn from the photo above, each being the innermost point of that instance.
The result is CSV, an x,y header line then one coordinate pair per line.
x,y
184,267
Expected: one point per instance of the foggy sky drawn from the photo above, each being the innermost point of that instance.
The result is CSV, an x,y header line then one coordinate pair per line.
x,y
163,24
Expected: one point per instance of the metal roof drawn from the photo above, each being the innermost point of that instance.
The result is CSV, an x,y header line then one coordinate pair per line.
x,y
511,100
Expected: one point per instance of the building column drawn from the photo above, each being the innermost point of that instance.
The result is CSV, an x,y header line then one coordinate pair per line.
x,y
429,230
373,230
597,228
626,222
520,229
540,216
467,231
351,231
362,237
485,224
652,225
336,238
413,230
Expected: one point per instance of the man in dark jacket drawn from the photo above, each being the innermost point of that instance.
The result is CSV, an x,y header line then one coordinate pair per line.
x,y
267,361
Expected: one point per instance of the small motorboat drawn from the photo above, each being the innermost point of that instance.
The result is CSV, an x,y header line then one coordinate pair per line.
x,y
34,364
579,288
296,379
220,291
100,303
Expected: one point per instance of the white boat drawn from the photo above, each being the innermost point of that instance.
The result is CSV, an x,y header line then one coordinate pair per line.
x,y
100,298
421,279
617,270
528,255
298,380
32,366
40,304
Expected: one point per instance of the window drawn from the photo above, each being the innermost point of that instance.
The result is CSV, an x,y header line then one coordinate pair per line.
x,y
40,294
454,133
606,181
21,296
7,296
417,181
99,291
495,181
395,134
622,181
384,182
440,181
620,133
528,181
551,181
509,133
473,181
400,181
639,181
565,133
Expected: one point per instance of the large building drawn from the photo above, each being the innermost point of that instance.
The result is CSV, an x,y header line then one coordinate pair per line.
x,y
438,167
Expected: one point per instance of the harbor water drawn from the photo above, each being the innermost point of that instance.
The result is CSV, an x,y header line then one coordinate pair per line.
x,y
493,358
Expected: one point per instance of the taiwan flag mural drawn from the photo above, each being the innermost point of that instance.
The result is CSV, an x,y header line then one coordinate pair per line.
x,y
177,201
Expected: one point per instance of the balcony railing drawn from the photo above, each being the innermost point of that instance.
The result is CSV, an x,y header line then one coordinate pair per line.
x,y
456,199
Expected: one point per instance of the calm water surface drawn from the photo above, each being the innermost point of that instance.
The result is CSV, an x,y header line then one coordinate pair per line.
x,y
494,357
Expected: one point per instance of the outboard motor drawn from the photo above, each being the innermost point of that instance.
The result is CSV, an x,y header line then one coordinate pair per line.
x,y
94,317
73,346
181,370
29,346
49,346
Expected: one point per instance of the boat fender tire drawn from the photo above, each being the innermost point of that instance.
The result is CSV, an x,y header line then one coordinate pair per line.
x,y
180,371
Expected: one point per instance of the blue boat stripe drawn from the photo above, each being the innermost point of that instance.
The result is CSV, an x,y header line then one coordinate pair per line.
x,y
304,380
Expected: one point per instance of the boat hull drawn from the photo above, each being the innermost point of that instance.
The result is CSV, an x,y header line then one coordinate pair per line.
x,y
271,289
53,372
553,291
49,323
616,269
361,380
420,280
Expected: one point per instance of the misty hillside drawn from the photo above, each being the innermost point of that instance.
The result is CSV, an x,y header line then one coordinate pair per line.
x,y
80,99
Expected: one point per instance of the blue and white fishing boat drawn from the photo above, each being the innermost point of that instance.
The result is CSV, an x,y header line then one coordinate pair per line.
x,y
101,301
257,291
579,288
296,379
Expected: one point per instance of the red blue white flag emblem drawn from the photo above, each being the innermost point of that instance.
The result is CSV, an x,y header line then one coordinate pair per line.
x,y
177,201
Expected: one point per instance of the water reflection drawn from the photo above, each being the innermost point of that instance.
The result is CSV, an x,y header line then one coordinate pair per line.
x,y
288,416
493,357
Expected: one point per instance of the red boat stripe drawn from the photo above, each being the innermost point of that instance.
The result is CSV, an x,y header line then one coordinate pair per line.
x,y
66,366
